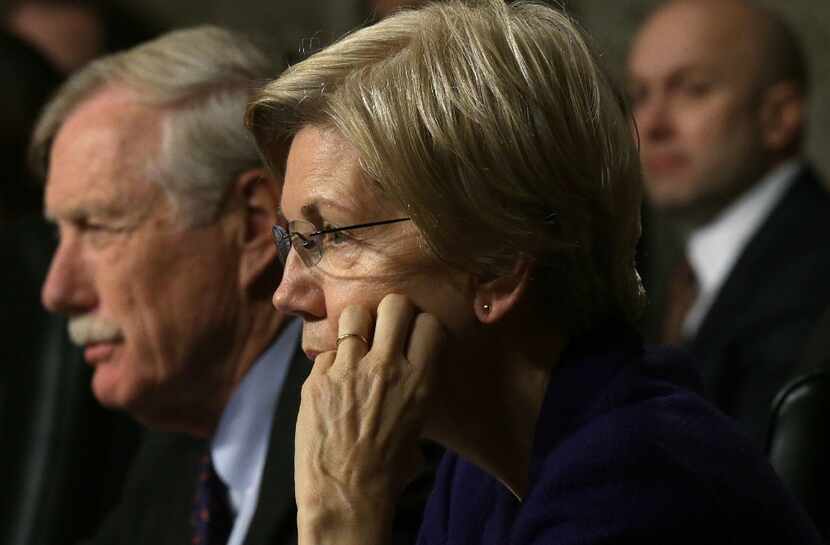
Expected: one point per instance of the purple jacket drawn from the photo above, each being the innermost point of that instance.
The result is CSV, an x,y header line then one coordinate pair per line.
x,y
625,451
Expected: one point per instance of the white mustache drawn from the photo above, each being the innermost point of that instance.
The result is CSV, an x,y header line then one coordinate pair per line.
x,y
88,329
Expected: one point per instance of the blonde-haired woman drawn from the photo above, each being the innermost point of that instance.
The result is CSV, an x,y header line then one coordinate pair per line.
x,y
462,202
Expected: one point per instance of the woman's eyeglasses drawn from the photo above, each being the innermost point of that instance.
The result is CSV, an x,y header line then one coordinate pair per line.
x,y
306,240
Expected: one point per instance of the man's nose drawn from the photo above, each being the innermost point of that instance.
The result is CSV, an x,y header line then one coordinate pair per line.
x,y
654,119
68,288
299,293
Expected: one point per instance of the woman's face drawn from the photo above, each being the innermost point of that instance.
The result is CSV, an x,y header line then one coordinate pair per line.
x,y
324,186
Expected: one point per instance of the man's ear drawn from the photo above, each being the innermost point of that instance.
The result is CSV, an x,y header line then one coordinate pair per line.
x,y
782,116
496,297
258,193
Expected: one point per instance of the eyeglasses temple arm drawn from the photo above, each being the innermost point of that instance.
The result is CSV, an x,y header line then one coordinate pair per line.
x,y
358,226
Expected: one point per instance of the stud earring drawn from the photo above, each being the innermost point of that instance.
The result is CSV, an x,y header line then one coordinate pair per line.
x,y
485,307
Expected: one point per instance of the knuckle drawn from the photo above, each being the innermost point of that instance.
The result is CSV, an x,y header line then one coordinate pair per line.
x,y
395,302
309,387
386,374
325,359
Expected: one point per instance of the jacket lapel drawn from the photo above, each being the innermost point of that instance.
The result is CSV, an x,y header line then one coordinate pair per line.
x,y
275,520
770,247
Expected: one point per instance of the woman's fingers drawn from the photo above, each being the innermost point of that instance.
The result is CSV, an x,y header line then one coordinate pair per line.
x,y
425,344
423,350
400,334
392,329
363,408
322,363
353,338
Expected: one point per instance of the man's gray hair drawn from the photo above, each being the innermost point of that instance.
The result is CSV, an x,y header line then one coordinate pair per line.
x,y
202,78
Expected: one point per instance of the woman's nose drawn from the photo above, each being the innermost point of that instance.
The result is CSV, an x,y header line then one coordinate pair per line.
x,y
299,292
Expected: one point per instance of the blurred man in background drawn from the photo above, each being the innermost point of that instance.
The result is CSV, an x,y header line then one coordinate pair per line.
x,y
720,89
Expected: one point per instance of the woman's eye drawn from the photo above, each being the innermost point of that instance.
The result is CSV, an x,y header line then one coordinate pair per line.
x,y
338,237
309,243
334,237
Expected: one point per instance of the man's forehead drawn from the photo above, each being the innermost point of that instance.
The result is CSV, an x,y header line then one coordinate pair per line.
x,y
113,113
706,35
101,198
100,156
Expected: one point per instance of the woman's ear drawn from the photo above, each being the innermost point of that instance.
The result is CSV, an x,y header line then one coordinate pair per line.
x,y
259,194
496,297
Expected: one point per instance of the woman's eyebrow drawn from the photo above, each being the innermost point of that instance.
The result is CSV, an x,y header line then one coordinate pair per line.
x,y
314,210
311,212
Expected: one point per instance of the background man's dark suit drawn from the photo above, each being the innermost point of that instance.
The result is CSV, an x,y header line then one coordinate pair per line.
x,y
156,505
754,334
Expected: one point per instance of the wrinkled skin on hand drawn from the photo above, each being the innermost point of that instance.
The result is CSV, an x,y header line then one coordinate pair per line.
x,y
361,415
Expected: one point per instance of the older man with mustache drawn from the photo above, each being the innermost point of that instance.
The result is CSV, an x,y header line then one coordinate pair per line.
x,y
164,267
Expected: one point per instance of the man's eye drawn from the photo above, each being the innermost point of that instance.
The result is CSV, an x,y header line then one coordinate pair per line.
x,y
98,233
637,95
696,88
86,225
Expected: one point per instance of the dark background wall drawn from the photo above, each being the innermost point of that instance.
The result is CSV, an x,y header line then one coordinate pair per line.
x,y
288,24
296,25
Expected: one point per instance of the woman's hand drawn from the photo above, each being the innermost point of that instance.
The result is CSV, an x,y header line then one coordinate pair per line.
x,y
361,415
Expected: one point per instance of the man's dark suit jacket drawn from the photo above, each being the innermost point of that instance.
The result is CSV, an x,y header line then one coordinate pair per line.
x,y
754,335
157,502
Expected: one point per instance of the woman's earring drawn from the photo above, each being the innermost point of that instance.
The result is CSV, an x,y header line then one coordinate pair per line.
x,y
485,307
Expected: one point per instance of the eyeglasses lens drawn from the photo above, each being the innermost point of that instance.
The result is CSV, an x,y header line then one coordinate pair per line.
x,y
299,235
283,242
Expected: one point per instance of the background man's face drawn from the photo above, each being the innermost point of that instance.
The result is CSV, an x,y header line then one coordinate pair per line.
x,y
692,74
151,302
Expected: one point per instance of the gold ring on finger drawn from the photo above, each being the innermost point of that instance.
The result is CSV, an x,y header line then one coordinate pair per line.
x,y
355,335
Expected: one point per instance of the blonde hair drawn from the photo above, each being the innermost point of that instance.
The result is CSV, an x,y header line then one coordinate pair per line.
x,y
203,77
494,129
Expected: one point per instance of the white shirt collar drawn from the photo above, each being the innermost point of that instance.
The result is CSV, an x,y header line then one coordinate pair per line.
x,y
240,444
713,249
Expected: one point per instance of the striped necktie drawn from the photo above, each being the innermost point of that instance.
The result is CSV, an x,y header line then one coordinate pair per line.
x,y
682,292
